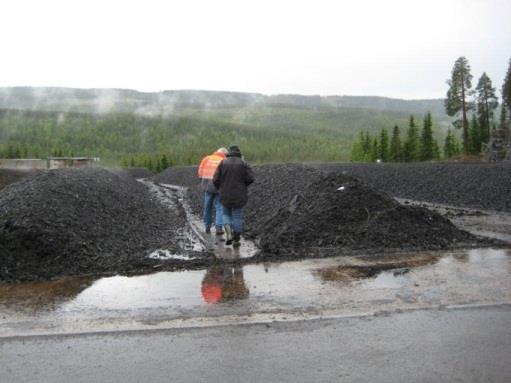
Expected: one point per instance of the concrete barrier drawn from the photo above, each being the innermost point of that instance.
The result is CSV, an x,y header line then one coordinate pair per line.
x,y
10,163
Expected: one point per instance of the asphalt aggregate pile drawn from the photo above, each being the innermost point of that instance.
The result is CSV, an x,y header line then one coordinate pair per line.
x,y
338,214
9,176
138,172
297,210
81,221
475,185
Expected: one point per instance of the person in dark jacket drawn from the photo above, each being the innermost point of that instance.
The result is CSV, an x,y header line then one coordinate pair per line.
x,y
232,178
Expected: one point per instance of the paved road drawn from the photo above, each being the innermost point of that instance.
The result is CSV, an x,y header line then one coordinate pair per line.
x,y
463,345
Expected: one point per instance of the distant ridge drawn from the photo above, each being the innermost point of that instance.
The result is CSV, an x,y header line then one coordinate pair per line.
x,y
168,101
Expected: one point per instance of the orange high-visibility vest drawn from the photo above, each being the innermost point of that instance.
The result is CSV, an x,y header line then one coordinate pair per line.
x,y
209,164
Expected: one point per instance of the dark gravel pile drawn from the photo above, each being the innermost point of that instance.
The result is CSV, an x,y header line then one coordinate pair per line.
x,y
138,172
323,219
296,210
475,185
80,221
9,176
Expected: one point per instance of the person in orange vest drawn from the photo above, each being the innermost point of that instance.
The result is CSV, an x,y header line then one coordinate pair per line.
x,y
206,171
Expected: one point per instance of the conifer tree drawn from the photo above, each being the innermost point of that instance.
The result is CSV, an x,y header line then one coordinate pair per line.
x,y
487,102
506,88
436,150
411,145
503,115
374,150
450,149
427,146
475,134
457,102
395,154
164,162
384,145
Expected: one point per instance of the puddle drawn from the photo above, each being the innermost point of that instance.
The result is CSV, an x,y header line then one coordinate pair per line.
x,y
345,284
165,255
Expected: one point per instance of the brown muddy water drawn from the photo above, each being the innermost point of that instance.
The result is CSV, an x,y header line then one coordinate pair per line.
x,y
258,292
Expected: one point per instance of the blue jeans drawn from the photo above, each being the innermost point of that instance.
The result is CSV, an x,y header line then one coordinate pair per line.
x,y
234,217
212,200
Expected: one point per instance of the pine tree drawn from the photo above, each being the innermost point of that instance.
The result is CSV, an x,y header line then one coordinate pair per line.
x,y
395,154
411,145
506,88
487,102
436,150
164,162
475,134
384,145
450,146
357,153
457,96
373,155
427,146
503,115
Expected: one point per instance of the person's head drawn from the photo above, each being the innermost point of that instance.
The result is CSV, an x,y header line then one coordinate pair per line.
x,y
223,150
234,150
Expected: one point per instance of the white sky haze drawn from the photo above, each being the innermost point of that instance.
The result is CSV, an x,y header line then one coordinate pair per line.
x,y
393,48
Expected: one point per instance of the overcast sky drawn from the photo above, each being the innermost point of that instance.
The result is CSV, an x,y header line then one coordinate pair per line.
x,y
395,48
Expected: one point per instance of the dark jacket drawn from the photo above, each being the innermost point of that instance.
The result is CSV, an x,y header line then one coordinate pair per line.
x,y
232,178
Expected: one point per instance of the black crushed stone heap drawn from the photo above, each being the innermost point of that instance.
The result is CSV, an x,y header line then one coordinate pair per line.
x,y
475,185
80,221
337,212
295,210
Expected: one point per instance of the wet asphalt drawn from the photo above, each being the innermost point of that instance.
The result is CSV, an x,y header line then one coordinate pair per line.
x,y
459,345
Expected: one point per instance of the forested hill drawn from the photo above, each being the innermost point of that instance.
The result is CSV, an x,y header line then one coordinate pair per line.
x,y
166,102
267,133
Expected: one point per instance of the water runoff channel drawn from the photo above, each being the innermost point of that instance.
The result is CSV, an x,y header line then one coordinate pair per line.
x,y
230,293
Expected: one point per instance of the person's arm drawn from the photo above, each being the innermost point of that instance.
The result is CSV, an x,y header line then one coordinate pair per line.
x,y
249,174
200,170
218,175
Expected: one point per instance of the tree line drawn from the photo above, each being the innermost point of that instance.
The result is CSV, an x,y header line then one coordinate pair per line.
x,y
418,144
474,109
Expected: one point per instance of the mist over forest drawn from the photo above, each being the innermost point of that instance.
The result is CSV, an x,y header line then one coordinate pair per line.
x,y
128,126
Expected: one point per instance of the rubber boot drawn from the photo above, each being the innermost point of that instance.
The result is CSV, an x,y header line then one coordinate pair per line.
x,y
236,239
228,234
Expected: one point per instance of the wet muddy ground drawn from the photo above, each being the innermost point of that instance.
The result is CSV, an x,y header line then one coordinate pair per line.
x,y
223,294
228,289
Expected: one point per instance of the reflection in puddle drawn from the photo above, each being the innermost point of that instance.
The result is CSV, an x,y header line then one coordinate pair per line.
x,y
348,283
224,283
